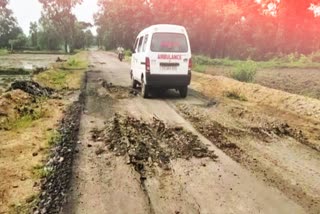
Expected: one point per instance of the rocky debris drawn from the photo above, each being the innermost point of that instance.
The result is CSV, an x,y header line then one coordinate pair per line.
x,y
55,186
32,88
148,145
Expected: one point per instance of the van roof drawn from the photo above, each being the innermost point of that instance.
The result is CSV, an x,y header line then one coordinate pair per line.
x,y
164,28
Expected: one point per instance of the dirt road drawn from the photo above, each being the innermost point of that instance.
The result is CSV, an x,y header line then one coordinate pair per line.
x,y
149,158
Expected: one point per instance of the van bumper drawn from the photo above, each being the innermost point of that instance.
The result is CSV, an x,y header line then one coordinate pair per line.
x,y
168,81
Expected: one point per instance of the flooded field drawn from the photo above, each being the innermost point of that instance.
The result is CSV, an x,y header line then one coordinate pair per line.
x,y
20,63
28,61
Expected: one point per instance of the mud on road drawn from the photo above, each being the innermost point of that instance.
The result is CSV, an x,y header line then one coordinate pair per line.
x,y
148,145
254,145
183,156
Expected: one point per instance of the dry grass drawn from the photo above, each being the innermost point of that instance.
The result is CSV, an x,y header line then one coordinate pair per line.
x,y
22,149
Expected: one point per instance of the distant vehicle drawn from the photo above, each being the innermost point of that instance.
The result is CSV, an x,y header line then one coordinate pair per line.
x,y
120,51
161,59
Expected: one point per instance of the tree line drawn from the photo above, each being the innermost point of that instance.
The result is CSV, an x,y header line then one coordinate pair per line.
x,y
58,27
256,29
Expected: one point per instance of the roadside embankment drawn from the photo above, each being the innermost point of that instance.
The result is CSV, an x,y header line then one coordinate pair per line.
x,y
39,124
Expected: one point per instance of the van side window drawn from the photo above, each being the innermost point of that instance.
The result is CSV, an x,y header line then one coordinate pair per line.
x,y
145,43
135,45
140,44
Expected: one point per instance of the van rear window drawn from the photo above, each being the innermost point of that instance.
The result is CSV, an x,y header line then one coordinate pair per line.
x,y
169,42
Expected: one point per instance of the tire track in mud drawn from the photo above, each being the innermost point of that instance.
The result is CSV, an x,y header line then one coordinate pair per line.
x,y
221,136
150,146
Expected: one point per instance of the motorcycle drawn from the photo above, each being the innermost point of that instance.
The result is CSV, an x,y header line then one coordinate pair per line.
x,y
121,56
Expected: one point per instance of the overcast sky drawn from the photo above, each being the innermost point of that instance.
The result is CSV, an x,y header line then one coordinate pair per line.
x,y
27,11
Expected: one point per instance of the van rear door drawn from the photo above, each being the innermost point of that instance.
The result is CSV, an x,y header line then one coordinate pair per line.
x,y
170,53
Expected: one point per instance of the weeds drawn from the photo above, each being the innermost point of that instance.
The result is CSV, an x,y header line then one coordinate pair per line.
x,y
199,68
293,60
3,52
245,72
66,76
54,138
26,115
40,171
26,206
236,95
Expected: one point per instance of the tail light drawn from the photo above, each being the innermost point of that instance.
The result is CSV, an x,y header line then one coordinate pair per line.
x,y
190,64
147,64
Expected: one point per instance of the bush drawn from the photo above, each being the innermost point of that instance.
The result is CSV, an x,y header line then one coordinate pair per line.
x,y
199,68
245,72
3,52
128,53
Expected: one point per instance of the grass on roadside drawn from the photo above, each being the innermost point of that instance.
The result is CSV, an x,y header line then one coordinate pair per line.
x,y
290,61
78,61
40,171
27,115
3,52
67,75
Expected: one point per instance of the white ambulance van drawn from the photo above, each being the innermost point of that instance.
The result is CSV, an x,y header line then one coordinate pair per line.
x,y
162,59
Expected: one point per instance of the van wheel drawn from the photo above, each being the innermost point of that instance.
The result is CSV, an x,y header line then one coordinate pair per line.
x,y
183,91
144,90
133,83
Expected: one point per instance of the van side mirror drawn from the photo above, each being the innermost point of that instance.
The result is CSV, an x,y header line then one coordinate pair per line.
x,y
133,50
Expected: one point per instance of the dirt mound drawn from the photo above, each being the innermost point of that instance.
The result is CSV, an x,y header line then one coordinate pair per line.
x,y
32,88
118,92
11,103
212,86
150,144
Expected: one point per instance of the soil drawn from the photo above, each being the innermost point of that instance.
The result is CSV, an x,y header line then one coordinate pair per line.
x,y
302,113
12,104
293,80
21,152
203,154
150,144
266,146
126,163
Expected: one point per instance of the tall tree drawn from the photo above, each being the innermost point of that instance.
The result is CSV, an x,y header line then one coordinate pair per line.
x,y
258,29
59,12
9,28
33,31
120,20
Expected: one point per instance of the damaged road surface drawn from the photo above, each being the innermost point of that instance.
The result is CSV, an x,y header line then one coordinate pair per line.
x,y
141,156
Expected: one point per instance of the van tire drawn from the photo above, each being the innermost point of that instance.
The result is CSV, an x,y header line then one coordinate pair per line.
x,y
134,83
144,90
183,92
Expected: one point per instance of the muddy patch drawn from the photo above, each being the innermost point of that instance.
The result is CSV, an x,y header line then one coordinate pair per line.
x,y
268,128
149,145
215,132
32,88
118,92
230,141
